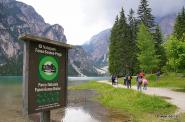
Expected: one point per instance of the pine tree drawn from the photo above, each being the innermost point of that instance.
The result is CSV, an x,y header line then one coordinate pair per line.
x,y
145,15
160,51
113,53
124,45
147,58
179,28
132,41
132,25
119,60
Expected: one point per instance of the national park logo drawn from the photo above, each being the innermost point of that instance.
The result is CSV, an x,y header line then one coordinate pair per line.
x,y
48,68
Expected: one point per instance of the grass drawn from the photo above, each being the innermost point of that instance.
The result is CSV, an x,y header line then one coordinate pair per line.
x,y
175,81
179,90
140,107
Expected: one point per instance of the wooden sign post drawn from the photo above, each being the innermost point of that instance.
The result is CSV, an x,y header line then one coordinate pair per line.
x,y
44,75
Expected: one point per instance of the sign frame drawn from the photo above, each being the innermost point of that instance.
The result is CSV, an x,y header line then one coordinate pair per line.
x,y
53,52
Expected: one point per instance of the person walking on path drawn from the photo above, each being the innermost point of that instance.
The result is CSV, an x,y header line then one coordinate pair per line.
x,y
139,81
128,80
124,80
116,81
113,79
158,73
142,74
145,83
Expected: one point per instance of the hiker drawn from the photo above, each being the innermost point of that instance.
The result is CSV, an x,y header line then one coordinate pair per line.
x,y
142,74
124,81
158,73
145,83
139,81
116,81
128,80
113,79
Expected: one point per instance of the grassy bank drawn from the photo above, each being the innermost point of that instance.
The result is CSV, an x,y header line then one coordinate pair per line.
x,y
140,107
175,81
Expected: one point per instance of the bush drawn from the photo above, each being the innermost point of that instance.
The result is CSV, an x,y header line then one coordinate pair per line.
x,y
151,77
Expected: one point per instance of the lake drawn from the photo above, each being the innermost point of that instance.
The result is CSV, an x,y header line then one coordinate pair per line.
x,y
12,80
80,106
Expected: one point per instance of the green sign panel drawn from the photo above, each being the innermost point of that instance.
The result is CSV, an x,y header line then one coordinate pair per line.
x,y
45,75
48,68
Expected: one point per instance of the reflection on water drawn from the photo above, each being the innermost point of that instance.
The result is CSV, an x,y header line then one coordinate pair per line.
x,y
82,99
73,114
78,80
80,108
87,78
71,80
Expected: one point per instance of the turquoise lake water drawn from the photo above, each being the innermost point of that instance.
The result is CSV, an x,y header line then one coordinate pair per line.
x,y
10,80
11,102
18,79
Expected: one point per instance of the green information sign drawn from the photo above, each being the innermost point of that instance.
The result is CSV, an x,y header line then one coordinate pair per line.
x,y
48,68
45,74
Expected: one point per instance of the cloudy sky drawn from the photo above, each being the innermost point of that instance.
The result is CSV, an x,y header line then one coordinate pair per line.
x,y
82,19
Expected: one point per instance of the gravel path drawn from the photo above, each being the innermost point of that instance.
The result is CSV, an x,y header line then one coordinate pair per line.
x,y
176,98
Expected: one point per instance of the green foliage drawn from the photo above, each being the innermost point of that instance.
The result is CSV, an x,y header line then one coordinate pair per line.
x,y
133,47
122,48
125,52
159,48
176,54
171,80
119,46
147,58
138,105
113,52
175,45
145,15
179,28
180,90
151,77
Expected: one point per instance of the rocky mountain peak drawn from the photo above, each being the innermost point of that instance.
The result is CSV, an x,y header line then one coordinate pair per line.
x,y
17,18
167,23
54,32
29,13
97,47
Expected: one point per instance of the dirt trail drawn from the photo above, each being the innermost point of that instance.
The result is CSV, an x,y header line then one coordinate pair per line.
x,y
176,98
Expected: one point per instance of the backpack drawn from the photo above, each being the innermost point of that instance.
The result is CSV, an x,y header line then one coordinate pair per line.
x,y
129,78
145,81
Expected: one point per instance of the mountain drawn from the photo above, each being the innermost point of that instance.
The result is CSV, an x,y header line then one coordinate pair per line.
x,y
98,47
167,23
17,18
81,64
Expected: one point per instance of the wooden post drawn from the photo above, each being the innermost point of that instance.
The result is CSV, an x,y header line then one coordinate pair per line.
x,y
25,78
45,116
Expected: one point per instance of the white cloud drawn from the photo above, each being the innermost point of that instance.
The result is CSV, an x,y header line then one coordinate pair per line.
x,y
82,19
164,7
159,7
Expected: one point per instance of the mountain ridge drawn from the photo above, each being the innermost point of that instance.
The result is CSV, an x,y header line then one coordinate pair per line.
x,y
17,18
